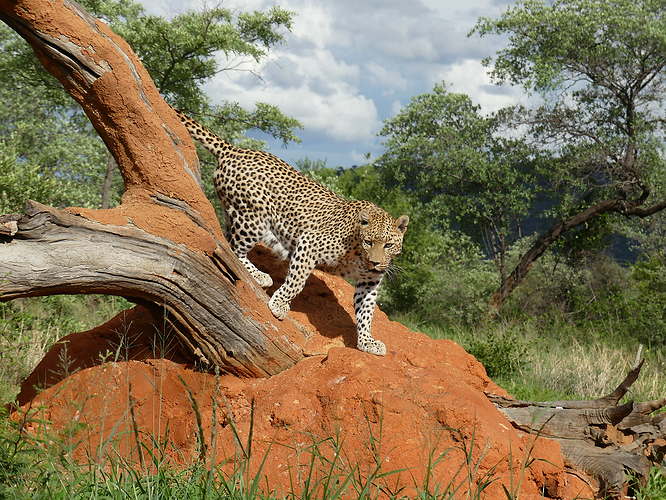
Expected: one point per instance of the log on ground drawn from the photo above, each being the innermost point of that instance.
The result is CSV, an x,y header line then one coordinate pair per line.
x,y
612,442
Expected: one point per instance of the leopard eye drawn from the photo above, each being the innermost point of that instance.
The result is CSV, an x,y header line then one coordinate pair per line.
x,y
388,245
367,242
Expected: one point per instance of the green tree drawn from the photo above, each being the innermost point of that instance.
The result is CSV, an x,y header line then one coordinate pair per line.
x,y
179,53
462,169
19,179
180,56
440,273
41,122
42,126
598,67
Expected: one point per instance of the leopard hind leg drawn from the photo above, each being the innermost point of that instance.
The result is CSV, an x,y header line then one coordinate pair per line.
x,y
301,264
243,233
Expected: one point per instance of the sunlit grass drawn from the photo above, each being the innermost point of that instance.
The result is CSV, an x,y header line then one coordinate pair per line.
x,y
546,366
41,464
30,327
566,362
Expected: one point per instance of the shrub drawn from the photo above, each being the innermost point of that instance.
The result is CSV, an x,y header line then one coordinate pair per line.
x,y
503,351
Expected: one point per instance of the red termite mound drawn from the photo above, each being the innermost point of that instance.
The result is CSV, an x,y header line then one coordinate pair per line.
x,y
424,400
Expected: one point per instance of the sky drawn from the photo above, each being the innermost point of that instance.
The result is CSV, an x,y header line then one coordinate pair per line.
x,y
349,65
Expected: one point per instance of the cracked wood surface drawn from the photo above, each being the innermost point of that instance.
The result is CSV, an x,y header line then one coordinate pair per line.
x,y
600,436
58,253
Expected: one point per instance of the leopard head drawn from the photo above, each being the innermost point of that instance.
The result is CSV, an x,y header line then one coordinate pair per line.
x,y
381,238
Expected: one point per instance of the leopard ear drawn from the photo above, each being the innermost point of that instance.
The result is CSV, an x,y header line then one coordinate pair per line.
x,y
401,223
364,218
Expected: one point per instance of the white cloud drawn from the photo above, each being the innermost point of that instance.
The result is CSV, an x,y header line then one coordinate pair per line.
x,y
350,64
396,107
471,77
344,116
390,80
318,90
314,24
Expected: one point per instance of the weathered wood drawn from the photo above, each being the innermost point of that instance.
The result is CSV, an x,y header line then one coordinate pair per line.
x,y
606,464
565,422
600,436
9,224
59,253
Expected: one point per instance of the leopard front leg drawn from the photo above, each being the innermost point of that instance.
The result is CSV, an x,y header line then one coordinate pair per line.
x,y
301,264
365,299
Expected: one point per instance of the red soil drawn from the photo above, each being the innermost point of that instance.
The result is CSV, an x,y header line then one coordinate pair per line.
x,y
423,398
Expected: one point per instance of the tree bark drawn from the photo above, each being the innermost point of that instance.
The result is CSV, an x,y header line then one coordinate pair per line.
x,y
527,261
601,437
163,245
108,181
58,253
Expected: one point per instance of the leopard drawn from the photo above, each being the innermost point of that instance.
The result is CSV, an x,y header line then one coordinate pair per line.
x,y
267,200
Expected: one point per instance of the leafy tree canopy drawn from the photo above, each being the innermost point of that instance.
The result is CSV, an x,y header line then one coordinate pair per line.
x,y
613,44
41,123
461,167
41,126
184,52
599,66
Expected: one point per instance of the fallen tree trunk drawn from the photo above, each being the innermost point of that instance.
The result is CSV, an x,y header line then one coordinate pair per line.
x,y
603,438
58,253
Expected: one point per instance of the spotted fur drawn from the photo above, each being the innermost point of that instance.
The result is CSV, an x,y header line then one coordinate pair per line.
x,y
265,199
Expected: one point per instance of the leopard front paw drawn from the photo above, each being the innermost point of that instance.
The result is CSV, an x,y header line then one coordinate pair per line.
x,y
263,279
372,346
279,309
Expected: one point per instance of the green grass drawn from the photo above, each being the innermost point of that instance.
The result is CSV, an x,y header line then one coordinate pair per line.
x,y
534,364
655,489
551,355
29,327
561,360
41,465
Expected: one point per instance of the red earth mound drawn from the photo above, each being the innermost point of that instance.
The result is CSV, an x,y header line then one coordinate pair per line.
x,y
426,399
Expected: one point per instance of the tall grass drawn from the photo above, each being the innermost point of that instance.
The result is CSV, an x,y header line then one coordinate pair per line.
x,y
539,366
568,334
126,462
30,327
42,466
570,331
